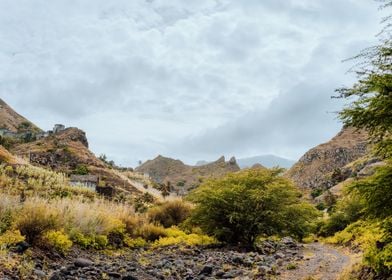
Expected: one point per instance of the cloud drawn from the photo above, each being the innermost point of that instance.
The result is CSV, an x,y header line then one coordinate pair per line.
x,y
152,75
289,125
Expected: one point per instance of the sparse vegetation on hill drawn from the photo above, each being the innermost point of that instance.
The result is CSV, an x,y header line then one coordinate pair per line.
x,y
182,177
27,180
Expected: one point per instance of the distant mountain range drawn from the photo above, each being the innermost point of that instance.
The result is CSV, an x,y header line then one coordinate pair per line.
x,y
265,160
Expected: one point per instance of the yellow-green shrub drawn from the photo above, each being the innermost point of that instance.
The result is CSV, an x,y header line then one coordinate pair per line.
x,y
360,233
89,241
176,236
7,209
170,213
151,232
135,242
10,237
57,240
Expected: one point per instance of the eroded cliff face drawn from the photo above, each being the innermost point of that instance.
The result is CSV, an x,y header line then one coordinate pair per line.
x,y
322,166
62,151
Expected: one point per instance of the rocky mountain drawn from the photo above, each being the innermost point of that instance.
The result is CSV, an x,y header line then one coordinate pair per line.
x,y
67,151
268,161
62,151
12,121
181,176
323,166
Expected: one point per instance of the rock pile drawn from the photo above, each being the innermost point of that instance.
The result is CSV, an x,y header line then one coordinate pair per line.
x,y
174,262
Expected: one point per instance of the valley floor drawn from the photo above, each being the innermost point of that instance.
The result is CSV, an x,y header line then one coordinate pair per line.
x,y
172,262
277,260
321,262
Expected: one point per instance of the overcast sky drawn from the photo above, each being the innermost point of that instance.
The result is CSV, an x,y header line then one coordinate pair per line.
x,y
191,79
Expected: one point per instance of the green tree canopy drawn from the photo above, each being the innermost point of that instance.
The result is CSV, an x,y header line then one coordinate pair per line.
x,y
372,107
372,110
248,203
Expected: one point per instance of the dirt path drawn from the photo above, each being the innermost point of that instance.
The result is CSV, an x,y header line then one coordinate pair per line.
x,y
321,262
154,192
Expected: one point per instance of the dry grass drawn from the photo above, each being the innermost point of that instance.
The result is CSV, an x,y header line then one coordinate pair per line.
x,y
35,181
170,213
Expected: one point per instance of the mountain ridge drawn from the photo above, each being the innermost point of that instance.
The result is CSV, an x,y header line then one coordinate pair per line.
x,y
183,177
13,121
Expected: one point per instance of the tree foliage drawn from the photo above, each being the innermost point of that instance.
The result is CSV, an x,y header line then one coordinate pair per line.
x,y
372,107
372,110
376,190
243,205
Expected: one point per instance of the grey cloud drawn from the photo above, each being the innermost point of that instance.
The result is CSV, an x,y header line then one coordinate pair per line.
x,y
294,121
161,74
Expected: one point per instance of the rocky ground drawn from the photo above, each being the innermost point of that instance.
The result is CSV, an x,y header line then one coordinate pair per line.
x,y
319,261
174,262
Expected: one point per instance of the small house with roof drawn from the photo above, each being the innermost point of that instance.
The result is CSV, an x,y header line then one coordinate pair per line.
x,y
88,181
58,128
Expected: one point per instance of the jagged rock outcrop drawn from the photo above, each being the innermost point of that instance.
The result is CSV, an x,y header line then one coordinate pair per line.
x,y
322,166
181,176
62,151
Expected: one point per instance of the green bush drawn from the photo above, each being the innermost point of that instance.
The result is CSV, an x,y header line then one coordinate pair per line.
x,y
6,219
376,190
81,169
89,241
316,192
170,213
347,211
241,206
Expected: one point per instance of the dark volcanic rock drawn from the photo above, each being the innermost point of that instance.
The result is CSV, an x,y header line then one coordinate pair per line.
x,y
81,262
207,270
174,262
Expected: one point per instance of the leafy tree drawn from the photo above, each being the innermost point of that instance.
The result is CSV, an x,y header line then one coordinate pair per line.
x,y
372,107
243,205
372,110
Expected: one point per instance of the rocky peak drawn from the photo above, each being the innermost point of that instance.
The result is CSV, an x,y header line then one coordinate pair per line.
x,y
163,170
314,168
232,161
72,134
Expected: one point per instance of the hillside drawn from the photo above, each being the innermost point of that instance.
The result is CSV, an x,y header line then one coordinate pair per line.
x,y
317,167
67,151
62,151
184,177
7,157
11,120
